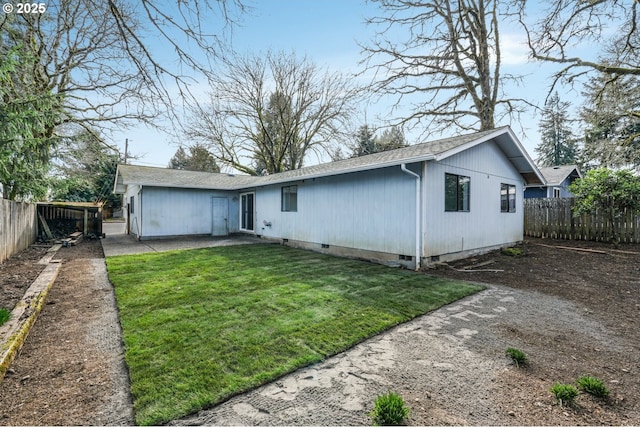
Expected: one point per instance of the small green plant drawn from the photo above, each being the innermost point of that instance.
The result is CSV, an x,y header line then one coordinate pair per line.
x,y
4,316
515,252
593,386
389,410
565,393
518,356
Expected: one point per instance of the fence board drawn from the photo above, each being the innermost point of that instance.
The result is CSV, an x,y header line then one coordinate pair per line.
x,y
553,218
18,227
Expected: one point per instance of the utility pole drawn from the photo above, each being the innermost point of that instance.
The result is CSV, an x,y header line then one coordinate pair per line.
x,y
126,149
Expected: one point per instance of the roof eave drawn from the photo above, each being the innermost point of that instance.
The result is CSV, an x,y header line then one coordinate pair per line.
x,y
381,165
119,187
532,174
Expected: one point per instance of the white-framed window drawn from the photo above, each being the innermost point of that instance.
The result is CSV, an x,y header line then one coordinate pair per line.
x,y
247,211
507,198
457,193
289,197
132,203
556,192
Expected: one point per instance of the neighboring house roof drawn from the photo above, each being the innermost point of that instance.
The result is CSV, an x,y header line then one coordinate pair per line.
x,y
435,150
555,175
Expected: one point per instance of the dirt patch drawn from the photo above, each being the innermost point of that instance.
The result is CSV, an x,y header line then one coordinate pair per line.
x,y
603,286
70,370
572,312
18,273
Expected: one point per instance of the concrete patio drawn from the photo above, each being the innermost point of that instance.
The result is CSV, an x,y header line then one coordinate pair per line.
x,y
117,242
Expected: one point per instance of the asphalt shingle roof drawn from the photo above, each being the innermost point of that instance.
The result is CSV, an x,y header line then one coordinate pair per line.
x,y
150,176
554,175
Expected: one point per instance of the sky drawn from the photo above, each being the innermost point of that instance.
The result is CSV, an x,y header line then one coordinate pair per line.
x,y
328,33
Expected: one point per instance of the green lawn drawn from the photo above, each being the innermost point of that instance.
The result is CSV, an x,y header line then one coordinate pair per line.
x,y
202,325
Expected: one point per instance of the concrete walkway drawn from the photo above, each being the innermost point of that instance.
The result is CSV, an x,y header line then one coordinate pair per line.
x,y
118,243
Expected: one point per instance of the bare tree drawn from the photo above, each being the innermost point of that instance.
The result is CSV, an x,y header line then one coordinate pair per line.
x,y
608,28
93,63
266,114
449,66
97,56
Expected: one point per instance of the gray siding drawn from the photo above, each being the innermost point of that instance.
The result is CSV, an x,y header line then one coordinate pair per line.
x,y
175,212
484,225
372,210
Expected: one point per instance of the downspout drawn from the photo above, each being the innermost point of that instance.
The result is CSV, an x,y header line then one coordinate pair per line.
x,y
404,169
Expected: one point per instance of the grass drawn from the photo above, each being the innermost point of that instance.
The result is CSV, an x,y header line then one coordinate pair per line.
x,y
4,316
518,356
202,325
593,385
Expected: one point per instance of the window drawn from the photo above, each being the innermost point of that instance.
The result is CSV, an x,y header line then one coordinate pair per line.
x,y
556,193
131,204
246,211
507,198
290,198
456,193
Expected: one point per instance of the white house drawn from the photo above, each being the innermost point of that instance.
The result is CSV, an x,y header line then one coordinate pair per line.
x,y
427,202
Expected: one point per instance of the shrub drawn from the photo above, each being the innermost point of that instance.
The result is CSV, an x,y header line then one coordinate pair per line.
x,y
4,316
593,386
565,393
610,192
518,356
389,410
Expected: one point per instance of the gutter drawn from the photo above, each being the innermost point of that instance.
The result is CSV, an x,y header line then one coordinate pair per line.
x,y
404,169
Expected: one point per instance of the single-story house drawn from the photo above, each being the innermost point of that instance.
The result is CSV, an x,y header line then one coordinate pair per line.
x,y
557,182
415,205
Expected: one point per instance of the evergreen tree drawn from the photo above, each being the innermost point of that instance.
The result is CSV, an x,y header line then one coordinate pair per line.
x,y
368,143
612,117
391,139
85,170
198,159
26,117
365,142
280,147
558,145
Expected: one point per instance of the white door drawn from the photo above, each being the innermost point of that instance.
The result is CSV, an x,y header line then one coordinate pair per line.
x,y
219,216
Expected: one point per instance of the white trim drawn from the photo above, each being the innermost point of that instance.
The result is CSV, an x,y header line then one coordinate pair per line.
x,y
253,214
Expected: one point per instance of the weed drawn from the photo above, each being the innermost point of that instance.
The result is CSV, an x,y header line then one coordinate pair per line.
x,y
515,252
518,356
565,393
389,410
592,386
4,316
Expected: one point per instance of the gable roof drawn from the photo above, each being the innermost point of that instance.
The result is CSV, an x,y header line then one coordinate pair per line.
x,y
555,175
435,150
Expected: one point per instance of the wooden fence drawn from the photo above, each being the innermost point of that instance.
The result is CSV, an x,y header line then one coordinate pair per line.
x,y
18,227
553,218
